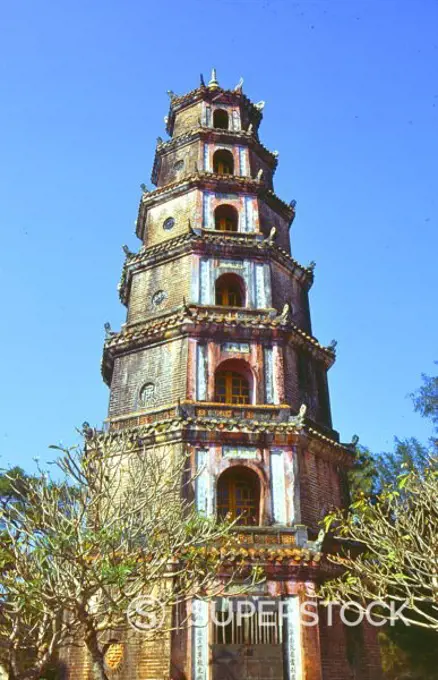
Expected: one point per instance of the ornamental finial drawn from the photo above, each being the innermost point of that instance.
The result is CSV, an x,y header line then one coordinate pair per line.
x,y
213,84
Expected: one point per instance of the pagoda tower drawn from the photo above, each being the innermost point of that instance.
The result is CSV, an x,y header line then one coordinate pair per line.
x,y
217,355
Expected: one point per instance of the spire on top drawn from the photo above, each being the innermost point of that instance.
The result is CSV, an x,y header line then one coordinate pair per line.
x,y
213,84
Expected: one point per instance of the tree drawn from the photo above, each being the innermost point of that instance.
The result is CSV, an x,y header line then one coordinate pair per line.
x,y
8,494
120,522
371,473
399,561
12,484
390,531
426,399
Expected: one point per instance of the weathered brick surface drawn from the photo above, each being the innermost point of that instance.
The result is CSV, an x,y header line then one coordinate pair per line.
x,y
143,659
187,119
348,653
292,388
305,382
179,163
285,288
181,209
164,365
270,218
256,164
320,488
173,278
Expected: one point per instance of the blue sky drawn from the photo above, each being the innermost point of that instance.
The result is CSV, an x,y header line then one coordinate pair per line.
x,y
352,106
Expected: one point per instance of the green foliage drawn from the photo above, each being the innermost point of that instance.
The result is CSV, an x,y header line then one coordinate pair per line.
x,y
408,454
13,484
426,398
394,512
364,474
408,653
372,473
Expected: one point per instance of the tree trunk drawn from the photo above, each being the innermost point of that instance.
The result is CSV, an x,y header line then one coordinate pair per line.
x,y
98,666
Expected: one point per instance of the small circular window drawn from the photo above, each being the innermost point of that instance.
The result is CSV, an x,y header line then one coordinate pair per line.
x,y
147,394
168,224
159,297
179,165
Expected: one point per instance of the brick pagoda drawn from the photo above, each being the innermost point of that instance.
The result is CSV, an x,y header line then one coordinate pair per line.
x,y
217,355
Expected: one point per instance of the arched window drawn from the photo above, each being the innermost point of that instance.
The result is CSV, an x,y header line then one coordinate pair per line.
x,y
230,291
147,394
238,495
223,162
220,119
231,388
226,218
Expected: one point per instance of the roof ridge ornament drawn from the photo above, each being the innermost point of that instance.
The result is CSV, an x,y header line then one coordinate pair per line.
x,y
108,332
285,313
272,236
213,84
239,86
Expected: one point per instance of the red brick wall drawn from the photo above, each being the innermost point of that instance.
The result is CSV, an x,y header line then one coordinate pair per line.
x,y
320,488
348,654
268,219
287,289
256,164
143,659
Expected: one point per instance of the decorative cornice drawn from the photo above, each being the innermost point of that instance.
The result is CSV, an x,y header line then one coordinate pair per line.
x,y
318,440
187,422
197,320
202,132
204,315
212,181
290,557
177,103
211,242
